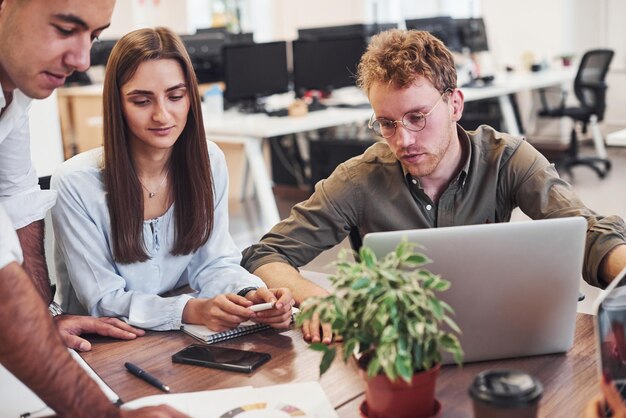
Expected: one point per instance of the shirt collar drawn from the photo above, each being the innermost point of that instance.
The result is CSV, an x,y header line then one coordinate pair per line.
x,y
465,143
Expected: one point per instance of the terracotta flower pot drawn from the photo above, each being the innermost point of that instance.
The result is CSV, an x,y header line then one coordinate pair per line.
x,y
398,399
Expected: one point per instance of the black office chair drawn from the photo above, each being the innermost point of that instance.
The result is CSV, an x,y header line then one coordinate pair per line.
x,y
590,89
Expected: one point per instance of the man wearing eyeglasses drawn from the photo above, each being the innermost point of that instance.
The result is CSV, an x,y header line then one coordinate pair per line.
x,y
429,172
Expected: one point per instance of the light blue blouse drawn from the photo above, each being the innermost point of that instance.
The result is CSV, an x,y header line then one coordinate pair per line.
x,y
91,281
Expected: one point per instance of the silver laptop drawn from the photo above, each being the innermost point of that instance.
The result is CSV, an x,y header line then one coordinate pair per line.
x,y
514,285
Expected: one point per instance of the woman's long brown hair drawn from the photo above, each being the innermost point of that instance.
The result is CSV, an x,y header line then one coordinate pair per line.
x,y
189,165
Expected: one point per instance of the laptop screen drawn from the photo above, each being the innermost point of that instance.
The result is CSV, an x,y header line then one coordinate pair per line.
x,y
611,323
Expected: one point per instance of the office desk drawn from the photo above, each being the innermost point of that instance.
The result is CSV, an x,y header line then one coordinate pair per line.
x,y
510,83
569,380
251,130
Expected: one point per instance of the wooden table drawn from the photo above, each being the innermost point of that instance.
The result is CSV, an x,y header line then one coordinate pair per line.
x,y
569,380
291,362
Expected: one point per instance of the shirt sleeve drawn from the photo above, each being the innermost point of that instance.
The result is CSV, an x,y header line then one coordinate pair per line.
x,y
10,250
20,194
215,268
82,238
314,226
541,193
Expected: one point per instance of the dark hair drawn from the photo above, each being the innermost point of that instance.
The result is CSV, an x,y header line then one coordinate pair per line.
x,y
399,56
192,183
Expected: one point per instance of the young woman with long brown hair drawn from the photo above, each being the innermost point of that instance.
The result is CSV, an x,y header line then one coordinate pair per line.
x,y
148,213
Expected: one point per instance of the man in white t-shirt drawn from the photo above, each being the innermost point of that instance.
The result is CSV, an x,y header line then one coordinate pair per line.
x,y
41,43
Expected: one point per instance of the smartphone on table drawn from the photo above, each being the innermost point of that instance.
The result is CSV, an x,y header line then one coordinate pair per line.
x,y
221,358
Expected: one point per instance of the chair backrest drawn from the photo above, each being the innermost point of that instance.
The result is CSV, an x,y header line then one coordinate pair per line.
x,y
589,84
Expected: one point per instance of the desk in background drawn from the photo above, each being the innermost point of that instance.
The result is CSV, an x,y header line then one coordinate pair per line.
x,y
569,380
251,130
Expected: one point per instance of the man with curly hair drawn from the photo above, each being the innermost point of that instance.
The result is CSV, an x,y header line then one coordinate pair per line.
x,y
427,173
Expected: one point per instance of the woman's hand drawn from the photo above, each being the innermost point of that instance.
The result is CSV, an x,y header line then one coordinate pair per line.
x,y
280,315
220,313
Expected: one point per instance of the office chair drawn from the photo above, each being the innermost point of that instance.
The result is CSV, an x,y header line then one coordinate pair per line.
x,y
590,89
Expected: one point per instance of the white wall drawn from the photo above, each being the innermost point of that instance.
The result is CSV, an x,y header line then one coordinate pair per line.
x,y
129,15
281,19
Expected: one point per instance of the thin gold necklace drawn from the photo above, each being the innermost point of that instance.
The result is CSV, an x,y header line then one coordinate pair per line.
x,y
151,194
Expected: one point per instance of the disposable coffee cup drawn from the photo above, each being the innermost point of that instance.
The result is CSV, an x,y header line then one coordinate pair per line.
x,y
505,393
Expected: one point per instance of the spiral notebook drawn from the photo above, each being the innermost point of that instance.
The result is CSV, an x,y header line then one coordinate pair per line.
x,y
204,334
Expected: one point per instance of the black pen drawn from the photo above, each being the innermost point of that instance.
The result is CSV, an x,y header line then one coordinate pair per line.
x,y
144,375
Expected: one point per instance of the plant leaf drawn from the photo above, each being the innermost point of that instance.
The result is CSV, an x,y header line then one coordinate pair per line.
x,y
327,360
436,307
319,347
373,367
367,257
360,283
418,259
404,367
453,326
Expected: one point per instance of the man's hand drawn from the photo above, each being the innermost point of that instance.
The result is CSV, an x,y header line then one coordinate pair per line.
x,y
70,327
280,315
311,331
282,275
161,411
610,396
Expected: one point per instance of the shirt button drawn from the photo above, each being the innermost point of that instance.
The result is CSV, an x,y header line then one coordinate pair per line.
x,y
414,181
428,207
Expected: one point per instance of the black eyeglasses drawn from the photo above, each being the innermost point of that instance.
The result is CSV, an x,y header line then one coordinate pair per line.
x,y
413,121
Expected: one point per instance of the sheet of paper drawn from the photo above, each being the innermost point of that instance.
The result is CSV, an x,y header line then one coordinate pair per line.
x,y
306,400
195,404
17,399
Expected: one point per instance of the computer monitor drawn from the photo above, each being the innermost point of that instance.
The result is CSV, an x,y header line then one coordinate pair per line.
x,y
205,52
473,34
213,29
344,31
443,28
240,38
100,51
229,37
252,71
326,64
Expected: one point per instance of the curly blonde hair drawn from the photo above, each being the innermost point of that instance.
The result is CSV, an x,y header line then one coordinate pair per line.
x,y
399,56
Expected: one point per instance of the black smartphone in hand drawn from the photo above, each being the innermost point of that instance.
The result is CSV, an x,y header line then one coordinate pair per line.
x,y
221,358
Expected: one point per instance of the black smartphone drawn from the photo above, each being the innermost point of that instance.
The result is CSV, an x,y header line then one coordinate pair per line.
x,y
221,358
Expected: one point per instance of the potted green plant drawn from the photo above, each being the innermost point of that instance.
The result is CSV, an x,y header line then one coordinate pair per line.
x,y
389,316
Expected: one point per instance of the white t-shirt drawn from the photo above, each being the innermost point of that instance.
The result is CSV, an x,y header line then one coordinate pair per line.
x,y
20,194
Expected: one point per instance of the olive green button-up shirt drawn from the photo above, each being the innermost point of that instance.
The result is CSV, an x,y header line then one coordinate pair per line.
x,y
372,193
